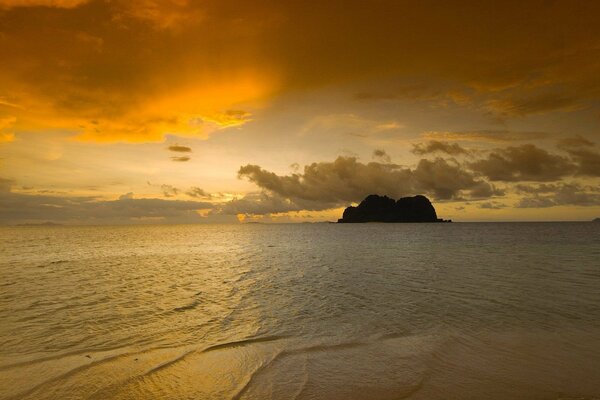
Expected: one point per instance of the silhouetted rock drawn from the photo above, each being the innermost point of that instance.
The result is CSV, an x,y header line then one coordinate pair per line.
x,y
597,220
376,208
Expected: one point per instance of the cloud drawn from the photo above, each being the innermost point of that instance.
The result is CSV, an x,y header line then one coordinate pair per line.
x,y
345,180
259,203
583,152
227,119
169,190
523,163
561,194
126,196
492,205
19,208
588,161
6,4
6,124
576,141
160,14
6,137
433,146
382,155
536,189
437,93
195,191
534,104
116,80
447,179
485,136
332,183
180,149
145,68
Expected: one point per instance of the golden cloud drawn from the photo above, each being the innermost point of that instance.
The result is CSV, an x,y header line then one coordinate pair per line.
x,y
7,123
42,3
136,70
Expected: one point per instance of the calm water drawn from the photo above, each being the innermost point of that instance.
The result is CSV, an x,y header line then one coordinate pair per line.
x,y
323,311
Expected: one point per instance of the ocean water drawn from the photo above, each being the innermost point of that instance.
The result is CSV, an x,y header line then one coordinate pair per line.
x,y
311,311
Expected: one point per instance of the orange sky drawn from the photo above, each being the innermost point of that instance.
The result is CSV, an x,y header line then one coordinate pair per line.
x,y
129,111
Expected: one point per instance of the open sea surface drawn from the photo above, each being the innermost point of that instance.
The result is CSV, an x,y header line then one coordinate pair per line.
x,y
305,311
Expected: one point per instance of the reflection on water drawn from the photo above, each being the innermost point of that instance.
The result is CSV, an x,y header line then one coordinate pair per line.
x,y
375,311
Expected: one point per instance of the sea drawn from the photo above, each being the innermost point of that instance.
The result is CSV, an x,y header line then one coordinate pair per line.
x,y
301,311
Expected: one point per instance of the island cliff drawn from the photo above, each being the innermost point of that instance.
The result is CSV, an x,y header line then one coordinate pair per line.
x,y
376,208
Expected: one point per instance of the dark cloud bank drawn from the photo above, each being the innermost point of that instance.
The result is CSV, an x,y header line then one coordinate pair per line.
x,y
536,177
452,173
18,208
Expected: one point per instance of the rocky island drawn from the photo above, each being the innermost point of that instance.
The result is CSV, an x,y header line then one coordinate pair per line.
x,y
376,208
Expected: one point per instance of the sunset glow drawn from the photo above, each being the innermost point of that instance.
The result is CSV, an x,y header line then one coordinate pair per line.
x,y
490,110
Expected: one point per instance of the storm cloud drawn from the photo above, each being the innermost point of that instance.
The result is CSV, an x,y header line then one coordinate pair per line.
x,y
347,180
523,163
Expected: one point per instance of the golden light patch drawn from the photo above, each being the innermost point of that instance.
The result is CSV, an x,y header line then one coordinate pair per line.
x,y
204,212
230,118
5,124
191,112
6,137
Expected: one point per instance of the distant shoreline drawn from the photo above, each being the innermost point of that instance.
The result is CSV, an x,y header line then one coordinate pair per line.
x,y
254,223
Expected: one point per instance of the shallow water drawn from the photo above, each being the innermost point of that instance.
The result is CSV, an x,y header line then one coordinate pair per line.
x,y
312,311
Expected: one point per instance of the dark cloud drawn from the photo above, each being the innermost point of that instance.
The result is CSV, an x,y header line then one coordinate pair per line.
x,y
588,161
169,190
195,191
382,155
447,179
180,159
584,153
260,203
19,208
330,184
435,146
536,189
576,141
180,149
561,194
523,163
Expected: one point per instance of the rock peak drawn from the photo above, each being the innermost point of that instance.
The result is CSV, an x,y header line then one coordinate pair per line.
x,y
375,208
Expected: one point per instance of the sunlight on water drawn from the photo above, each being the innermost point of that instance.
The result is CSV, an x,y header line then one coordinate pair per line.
x,y
419,311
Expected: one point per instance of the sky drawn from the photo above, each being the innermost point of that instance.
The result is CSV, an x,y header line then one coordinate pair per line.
x,y
182,111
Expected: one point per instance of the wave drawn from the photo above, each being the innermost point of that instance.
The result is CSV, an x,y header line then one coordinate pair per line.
x,y
244,342
190,306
